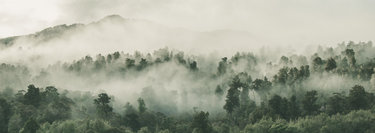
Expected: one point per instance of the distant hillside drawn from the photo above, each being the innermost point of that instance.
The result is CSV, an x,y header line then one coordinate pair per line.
x,y
44,35
114,30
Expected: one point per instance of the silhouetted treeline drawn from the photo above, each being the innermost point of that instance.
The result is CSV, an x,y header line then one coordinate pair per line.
x,y
330,91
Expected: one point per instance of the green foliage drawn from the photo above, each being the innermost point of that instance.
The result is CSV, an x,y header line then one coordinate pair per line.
x,y
282,128
261,112
129,63
129,109
32,96
331,64
31,126
233,94
162,54
280,105
50,94
282,76
142,64
144,130
99,126
141,106
260,127
68,127
201,124
5,114
293,109
102,104
343,63
261,86
74,111
357,98
114,130
284,61
164,131
109,59
15,123
309,104
59,109
317,64
222,69
180,58
132,121
337,104
350,54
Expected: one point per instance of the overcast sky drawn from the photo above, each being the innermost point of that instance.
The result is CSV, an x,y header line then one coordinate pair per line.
x,y
326,22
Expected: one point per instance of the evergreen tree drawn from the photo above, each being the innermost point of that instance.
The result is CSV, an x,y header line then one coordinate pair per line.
x,y
357,98
331,64
201,124
50,94
129,63
32,96
232,100
284,61
109,58
309,104
233,95
142,106
142,64
282,76
317,63
222,69
102,103
350,54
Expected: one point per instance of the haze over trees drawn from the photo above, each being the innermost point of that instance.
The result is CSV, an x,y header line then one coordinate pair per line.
x,y
168,90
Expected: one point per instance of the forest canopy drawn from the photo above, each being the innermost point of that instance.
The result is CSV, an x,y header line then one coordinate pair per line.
x,y
171,91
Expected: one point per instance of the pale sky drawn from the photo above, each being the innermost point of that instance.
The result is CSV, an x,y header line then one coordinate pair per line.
x,y
281,21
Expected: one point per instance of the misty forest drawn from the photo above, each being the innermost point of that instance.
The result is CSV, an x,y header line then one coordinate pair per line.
x,y
99,88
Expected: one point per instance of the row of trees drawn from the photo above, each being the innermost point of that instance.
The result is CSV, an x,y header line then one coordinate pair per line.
x,y
46,110
221,95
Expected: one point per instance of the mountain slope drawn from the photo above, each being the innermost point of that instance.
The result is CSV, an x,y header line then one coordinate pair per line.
x,y
115,33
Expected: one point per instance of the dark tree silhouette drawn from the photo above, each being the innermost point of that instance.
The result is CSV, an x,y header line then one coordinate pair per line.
x,y
32,96
102,103
317,63
331,64
141,106
233,94
222,69
193,66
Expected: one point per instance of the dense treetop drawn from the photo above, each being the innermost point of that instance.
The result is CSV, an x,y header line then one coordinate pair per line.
x,y
170,91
